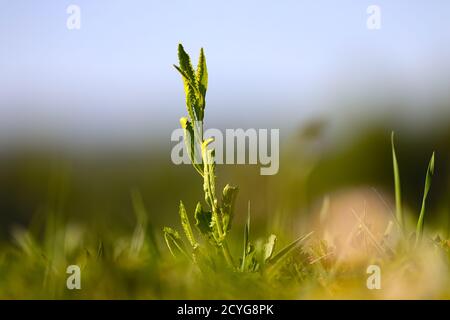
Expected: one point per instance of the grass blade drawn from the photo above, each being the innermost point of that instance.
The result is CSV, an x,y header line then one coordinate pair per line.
x,y
185,63
286,250
246,239
420,222
398,193
139,234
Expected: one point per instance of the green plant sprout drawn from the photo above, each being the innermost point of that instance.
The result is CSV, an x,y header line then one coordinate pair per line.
x,y
213,221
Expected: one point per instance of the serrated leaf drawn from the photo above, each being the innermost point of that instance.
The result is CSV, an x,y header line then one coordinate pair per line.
x,y
203,220
190,94
195,97
189,82
187,226
202,73
202,83
185,63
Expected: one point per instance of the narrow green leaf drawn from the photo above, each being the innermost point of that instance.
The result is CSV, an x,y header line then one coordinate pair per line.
x,y
246,240
185,63
286,250
202,81
191,95
195,96
420,222
398,193
202,73
189,82
187,226
188,137
189,140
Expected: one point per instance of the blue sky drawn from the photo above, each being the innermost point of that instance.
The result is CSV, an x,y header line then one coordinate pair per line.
x,y
270,62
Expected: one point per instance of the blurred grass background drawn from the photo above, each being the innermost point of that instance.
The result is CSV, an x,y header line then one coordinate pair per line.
x,y
95,188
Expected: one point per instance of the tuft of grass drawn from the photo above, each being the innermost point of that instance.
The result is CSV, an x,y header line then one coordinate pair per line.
x,y
398,194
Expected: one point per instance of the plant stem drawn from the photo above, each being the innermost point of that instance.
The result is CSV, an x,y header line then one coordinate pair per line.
x,y
227,254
